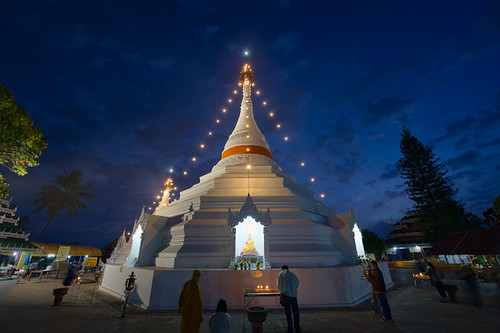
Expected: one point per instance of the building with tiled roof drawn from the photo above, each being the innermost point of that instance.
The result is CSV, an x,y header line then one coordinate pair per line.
x,y
12,239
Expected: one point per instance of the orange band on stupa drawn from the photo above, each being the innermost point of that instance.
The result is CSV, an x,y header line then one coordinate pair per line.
x,y
246,149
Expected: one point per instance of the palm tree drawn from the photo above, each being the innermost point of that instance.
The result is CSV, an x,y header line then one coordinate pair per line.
x,y
68,193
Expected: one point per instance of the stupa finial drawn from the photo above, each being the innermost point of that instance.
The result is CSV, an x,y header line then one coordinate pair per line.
x,y
165,200
246,137
246,75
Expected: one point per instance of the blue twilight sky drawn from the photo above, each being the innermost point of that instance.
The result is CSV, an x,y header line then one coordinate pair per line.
x,y
126,90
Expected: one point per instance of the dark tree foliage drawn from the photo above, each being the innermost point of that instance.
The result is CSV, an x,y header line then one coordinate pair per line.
x,y
492,214
431,190
372,243
21,143
67,194
496,207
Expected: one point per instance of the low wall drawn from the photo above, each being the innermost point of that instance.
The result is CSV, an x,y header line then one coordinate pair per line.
x,y
159,288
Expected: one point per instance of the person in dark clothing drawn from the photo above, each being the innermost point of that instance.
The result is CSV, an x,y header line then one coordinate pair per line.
x,y
436,281
287,285
376,278
70,276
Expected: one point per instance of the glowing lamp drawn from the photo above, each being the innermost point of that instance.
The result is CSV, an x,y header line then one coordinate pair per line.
x,y
130,282
257,275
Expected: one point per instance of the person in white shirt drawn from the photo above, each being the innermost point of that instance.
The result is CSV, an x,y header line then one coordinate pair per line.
x,y
221,321
287,285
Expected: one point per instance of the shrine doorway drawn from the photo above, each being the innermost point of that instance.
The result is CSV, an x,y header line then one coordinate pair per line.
x,y
249,242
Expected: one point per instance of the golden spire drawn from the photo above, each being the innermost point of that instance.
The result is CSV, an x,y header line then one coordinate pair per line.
x,y
246,137
167,188
246,75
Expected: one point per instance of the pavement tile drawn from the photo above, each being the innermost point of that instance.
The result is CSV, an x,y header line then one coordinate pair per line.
x,y
26,307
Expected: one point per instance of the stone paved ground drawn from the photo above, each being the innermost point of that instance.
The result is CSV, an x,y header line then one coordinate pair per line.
x,y
26,307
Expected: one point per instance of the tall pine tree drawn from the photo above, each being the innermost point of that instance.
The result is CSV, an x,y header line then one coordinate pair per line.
x,y
430,189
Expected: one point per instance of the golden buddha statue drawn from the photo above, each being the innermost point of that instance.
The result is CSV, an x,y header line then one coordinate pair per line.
x,y
249,248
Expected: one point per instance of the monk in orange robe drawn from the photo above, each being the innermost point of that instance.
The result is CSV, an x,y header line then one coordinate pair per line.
x,y
190,305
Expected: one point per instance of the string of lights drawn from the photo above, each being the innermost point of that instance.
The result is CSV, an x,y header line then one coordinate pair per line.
x,y
218,121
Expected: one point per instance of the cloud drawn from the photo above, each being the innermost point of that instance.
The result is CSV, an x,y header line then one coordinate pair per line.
x,y
208,31
488,43
470,157
467,174
346,166
391,194
287,43
390,173
471,124
395,109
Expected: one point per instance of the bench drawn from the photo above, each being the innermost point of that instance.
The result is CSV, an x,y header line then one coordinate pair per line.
x,y
46,272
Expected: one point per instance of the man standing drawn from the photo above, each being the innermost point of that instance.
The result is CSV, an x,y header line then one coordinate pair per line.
x,y
377,280
190,305
287,285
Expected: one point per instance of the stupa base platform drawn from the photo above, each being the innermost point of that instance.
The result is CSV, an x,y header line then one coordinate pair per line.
x,y
320,287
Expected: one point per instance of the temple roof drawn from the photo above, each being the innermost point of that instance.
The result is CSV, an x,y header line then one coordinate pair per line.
x,y
481,241
246,137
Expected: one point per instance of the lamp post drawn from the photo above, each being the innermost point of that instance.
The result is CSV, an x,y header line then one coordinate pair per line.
x,y
129,286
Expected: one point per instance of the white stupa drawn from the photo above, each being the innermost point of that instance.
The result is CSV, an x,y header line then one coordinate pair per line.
x,y
247,209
